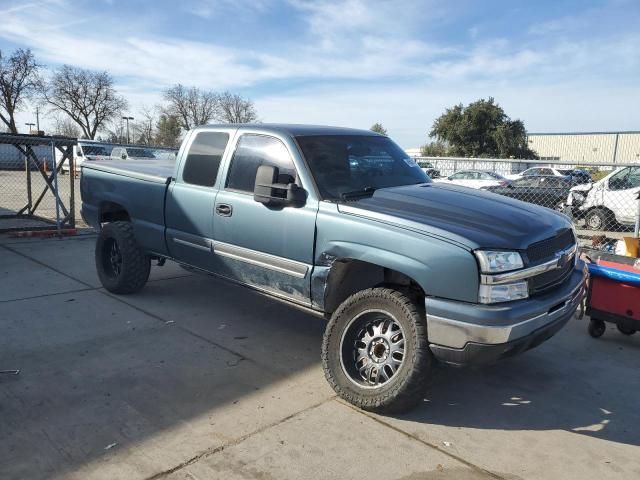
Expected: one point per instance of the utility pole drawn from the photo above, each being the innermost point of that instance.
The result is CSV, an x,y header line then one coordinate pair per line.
x,y
127,120
29,125
38,118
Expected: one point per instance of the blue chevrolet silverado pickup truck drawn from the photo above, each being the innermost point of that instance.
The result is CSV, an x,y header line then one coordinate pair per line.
x,y
342,223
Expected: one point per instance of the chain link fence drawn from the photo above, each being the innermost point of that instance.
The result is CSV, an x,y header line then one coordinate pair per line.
x,y
602,199
36,190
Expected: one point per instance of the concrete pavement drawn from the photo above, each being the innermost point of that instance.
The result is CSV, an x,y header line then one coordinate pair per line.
x,y
194,378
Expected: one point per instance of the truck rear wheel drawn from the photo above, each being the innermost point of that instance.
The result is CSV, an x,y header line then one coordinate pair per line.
x,y
122,265
375,353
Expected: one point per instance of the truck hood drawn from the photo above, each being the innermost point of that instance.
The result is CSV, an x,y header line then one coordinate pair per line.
x,y
473,218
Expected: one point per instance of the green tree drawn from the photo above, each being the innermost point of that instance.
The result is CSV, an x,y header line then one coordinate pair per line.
x,y
481,129
434,149
378,128
168,131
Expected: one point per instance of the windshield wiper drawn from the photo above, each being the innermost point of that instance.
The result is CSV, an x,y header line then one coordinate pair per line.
x,y
362,193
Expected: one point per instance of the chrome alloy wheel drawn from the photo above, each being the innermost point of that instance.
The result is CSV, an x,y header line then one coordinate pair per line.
x,y
372,348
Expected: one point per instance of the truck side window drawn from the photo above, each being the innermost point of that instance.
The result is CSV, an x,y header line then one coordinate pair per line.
x,y
253,151
203,158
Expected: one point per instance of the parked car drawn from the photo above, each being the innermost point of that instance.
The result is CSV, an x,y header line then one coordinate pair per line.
x,y
608,203
547,191
339,222
82,152
537,172
131,153
476,179
429,169
577,175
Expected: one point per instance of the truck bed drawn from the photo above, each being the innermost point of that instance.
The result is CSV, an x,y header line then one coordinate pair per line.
x,y
137,186
150,170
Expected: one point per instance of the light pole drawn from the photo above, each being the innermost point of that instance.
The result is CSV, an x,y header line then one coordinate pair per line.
x,y
29,125
127,120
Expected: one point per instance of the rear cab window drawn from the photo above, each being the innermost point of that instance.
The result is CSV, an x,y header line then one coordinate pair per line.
x,y
203,158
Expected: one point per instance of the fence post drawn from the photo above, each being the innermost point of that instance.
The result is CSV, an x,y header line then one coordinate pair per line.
x,y
636,230
72,188
55,185
27,166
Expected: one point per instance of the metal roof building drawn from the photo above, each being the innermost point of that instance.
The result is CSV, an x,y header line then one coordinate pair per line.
x,y
587,147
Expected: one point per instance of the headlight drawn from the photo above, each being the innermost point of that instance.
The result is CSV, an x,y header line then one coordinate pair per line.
x,y
503,293
577,197
495,262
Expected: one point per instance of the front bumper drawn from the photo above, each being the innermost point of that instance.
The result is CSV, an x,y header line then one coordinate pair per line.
x,y
475,334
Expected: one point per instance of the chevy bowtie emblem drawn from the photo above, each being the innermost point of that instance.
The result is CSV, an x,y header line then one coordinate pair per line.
x,y
563,260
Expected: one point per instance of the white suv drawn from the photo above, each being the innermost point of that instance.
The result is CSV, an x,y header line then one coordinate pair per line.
x,y
608,202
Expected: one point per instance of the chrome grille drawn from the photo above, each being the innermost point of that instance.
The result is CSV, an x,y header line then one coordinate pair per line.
x,y
548,248
547,280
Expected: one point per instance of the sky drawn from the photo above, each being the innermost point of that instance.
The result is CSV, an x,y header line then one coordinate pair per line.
x,y
558,65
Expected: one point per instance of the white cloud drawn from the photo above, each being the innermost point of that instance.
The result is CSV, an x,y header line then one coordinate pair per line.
x,y
209,8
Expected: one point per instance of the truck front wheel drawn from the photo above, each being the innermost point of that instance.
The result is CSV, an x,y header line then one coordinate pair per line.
x,y
122,265
375,353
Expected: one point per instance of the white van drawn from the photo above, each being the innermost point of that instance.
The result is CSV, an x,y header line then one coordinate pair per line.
x,y
609,202
84,151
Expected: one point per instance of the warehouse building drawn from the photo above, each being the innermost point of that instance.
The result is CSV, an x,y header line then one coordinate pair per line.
x,y
587,147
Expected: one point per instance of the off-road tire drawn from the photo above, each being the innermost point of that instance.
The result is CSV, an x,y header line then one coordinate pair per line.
x,y
135,264
407,387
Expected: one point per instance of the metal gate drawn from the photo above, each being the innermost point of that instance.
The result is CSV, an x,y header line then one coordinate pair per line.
x,y
37,182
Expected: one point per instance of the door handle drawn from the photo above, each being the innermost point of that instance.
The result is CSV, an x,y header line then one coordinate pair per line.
x,y
224,210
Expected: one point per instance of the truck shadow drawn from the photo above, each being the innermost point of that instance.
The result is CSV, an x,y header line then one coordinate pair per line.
x,y
126,387
592,393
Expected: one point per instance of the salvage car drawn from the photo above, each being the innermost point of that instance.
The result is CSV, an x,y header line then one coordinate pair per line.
x,y
341,223
608,204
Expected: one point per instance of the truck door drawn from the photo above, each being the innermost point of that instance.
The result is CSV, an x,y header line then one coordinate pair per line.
x,y
621,193
265,247
190,198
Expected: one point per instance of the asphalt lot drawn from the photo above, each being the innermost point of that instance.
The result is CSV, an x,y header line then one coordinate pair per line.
x,y
194,379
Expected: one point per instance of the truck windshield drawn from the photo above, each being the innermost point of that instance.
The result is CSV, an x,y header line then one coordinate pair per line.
x,y
345,164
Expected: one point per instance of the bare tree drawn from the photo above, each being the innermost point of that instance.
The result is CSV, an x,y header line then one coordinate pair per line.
x,y
63,125
115,129
235,109
18,82
88,97
191,106
144,129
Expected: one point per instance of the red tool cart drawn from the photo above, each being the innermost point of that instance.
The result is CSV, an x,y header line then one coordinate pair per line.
x,y
614,294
